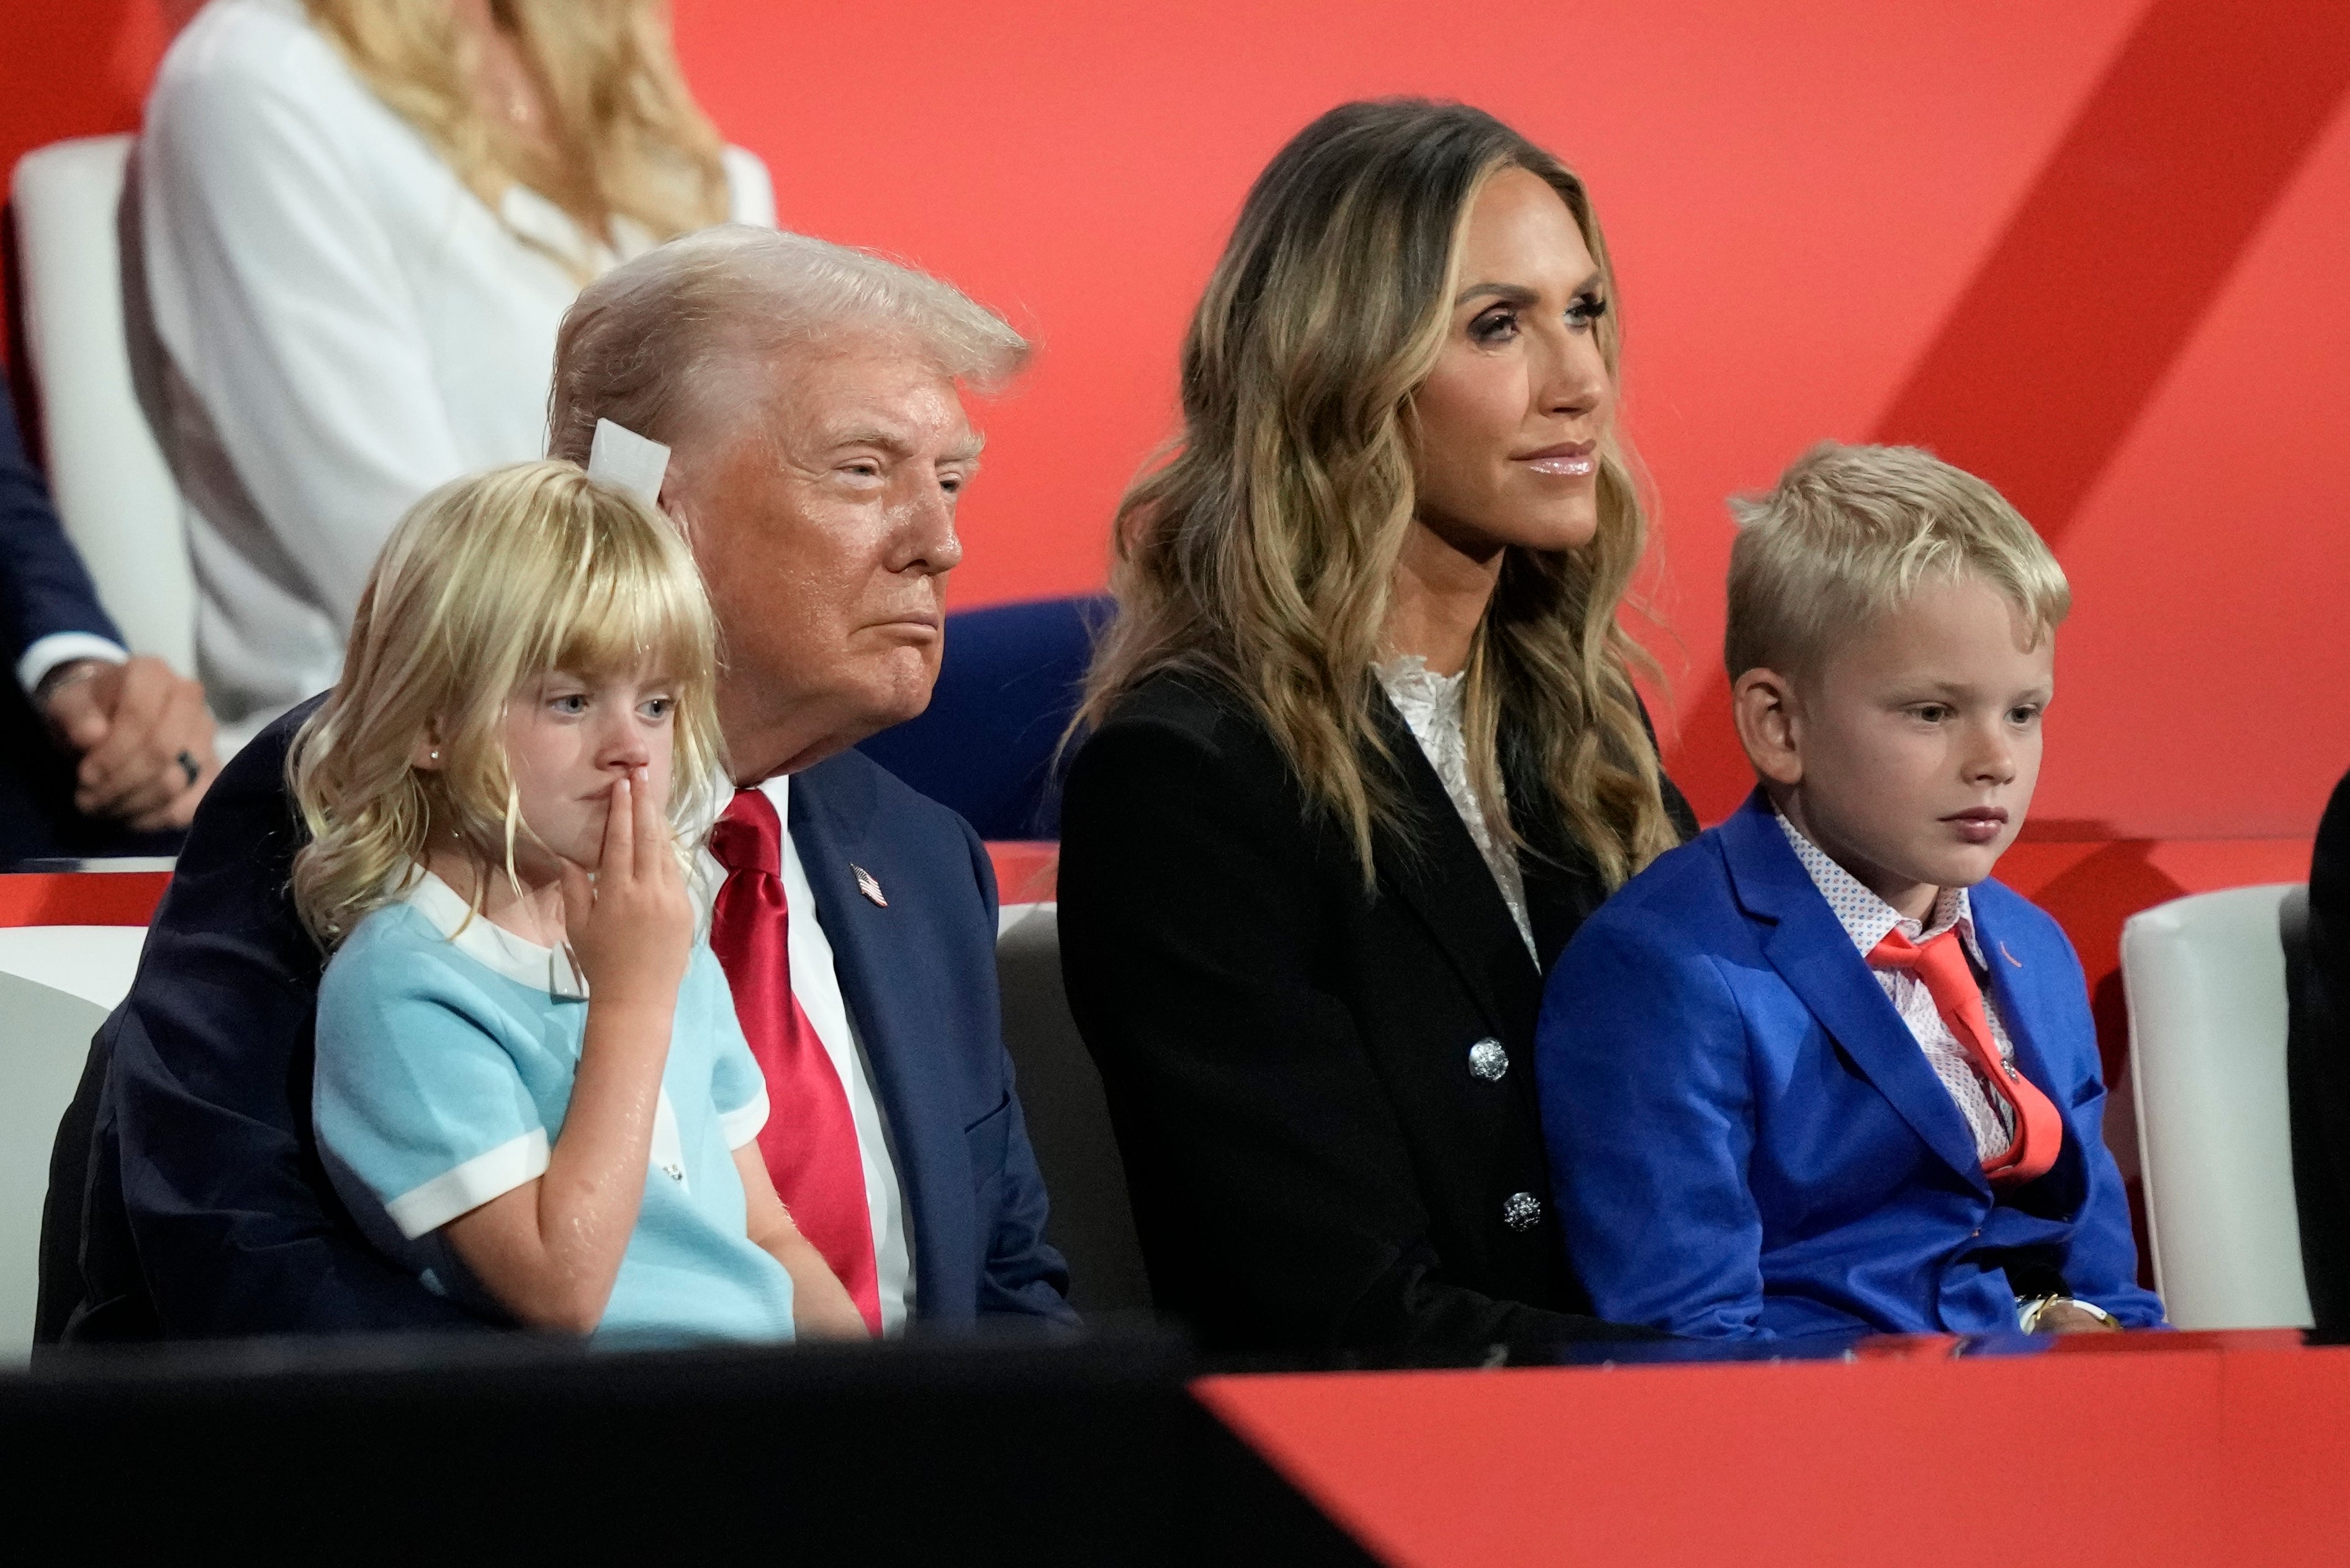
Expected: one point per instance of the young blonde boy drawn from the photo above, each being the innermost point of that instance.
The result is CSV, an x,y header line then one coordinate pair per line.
x,y
1815,1072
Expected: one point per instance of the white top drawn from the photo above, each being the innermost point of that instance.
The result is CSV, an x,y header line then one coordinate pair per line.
x,y
1867,919
1431,705
816,984
346,327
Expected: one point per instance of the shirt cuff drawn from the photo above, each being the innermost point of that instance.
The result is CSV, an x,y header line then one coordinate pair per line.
x,y
739,1126
470,1185
63,648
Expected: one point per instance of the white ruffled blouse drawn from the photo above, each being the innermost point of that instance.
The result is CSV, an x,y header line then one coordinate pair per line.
x,y
1431,705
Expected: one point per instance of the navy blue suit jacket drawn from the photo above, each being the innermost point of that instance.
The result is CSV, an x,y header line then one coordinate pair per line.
x,y
44,590
206,1212
43,587
1746,1140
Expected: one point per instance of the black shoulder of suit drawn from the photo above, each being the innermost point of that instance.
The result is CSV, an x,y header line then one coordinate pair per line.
x,y
2329,863
1194,702
1211,712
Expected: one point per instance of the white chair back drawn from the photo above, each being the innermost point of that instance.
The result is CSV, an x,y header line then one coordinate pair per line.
x,y
113,488
57,983
2205,977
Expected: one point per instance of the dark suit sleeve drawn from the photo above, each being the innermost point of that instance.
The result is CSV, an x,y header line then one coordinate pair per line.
x,y
2329,901
2318,1058
206,1116
1022,1276
43,587
2100,1258
1275,1191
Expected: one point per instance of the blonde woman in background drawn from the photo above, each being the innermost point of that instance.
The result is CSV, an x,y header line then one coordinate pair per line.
x,y
362,221
1364,747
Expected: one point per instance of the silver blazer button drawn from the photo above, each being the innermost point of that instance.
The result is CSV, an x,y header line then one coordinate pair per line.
x,y
1488,1061
1522,1211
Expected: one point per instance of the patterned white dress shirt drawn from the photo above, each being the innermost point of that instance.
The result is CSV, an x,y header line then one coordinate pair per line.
x,y
1866,918
1431,705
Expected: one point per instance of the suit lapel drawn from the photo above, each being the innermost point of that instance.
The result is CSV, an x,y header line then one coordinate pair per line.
x,y
1559,897
1447,883
1809,949
1561,885
830,837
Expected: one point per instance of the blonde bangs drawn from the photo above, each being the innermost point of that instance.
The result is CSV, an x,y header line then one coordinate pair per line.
x,y
490,583
627,610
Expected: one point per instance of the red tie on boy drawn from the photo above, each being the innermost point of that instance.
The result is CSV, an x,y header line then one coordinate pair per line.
x,y
1940,962
809,1141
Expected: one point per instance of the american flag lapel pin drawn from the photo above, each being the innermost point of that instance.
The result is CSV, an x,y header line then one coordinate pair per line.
x,y
870,887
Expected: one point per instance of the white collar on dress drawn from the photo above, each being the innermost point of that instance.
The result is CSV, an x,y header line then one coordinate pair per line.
x,y
491,945
1425,698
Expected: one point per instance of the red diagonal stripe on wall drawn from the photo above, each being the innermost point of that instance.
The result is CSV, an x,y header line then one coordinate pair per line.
x,y
2040,371
2127,234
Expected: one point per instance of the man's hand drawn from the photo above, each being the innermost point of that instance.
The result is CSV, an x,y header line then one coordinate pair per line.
x,y
131,726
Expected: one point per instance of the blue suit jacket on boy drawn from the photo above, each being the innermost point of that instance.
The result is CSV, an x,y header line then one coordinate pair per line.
x,y
1747,1142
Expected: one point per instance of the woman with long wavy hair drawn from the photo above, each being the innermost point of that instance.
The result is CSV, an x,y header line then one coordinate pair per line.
x,y
1363,746
360,222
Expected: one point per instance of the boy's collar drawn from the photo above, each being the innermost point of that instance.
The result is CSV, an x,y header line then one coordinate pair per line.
x,y
1865,918
1811,952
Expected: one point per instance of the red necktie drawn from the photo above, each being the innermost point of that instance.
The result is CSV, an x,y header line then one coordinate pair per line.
x,y
810,1140
1940,962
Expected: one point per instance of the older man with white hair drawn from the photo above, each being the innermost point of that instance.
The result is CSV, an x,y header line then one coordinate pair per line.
x,y
809,396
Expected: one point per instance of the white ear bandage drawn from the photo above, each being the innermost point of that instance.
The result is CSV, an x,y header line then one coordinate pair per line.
x,y
621,457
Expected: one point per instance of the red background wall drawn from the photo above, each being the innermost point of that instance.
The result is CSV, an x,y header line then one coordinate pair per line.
x,y
2093,251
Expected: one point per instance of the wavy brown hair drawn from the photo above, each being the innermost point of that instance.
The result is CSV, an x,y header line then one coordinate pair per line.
x,y
1261,552
632,142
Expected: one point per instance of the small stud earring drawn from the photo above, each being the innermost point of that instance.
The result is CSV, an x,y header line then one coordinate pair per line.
x,y
434,753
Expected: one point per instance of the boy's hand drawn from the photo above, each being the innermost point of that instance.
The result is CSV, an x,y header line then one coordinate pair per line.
x,y
630,928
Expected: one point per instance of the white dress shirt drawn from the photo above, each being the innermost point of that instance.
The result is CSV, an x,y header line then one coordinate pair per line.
x,y
346,327
44,654
1867,919
816,984
1430,706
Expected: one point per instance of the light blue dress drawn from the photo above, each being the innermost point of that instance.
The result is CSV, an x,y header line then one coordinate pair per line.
x,y
447,1050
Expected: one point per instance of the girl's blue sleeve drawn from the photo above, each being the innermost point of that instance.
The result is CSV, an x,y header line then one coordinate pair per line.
x,y
417,1104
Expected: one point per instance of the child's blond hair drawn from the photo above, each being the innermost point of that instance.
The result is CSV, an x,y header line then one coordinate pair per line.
x,y
1850,532
486,584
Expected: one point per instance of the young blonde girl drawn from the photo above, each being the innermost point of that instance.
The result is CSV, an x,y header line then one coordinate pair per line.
x,y
531,1086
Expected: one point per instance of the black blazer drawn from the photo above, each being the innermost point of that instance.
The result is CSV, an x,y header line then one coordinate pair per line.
x,y
2318,1067
45,589
1324,1146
